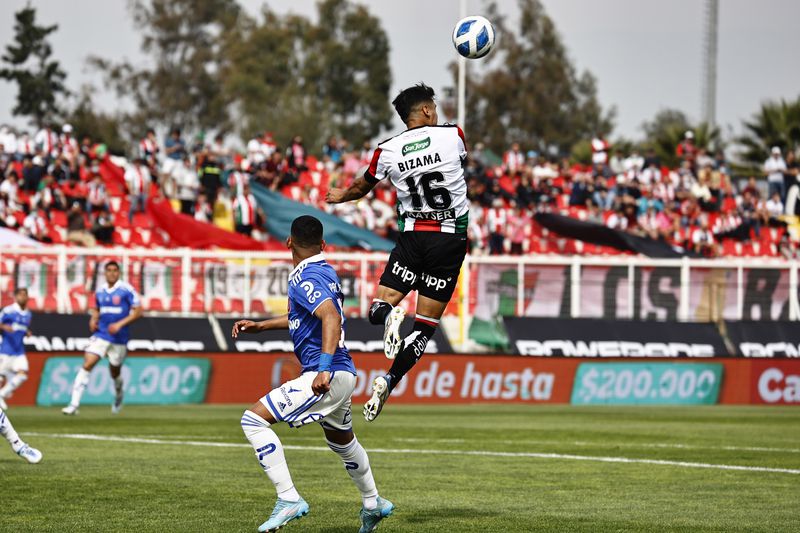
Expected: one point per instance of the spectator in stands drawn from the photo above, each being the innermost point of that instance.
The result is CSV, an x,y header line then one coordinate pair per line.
x,y
600,151
35,226
686,149
76,227
519,231
296,154
246,212
10,188
210,178
25,146
187,186
774,168
219,150
237,179
333,150
513,159
97,197
48,196
582,189
203,211
74,191
175,150
68,144
703,240
148,150
61,169
496,219
775,205
791,176
46,141
137,177
7,218
32,173
103,226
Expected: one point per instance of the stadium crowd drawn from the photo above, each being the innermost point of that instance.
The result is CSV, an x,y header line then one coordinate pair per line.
x,y
54,179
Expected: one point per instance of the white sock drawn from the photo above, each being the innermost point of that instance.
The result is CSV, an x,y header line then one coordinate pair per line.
x,y
7,430
81,382
356,462
269,452
12,385
118,385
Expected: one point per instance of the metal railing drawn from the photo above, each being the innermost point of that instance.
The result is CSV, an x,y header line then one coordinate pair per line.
x,y
186,282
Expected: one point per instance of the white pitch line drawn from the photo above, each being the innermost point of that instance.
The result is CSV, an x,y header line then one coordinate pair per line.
x,y
481,453
667,445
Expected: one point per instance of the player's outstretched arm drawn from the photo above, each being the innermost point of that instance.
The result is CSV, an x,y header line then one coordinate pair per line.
x,y
358,189
331,335
250,326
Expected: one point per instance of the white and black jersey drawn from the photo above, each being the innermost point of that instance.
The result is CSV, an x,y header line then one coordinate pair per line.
x,y
425,165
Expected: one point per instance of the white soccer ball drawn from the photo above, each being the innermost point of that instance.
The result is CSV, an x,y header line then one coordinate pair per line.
x,y
473,37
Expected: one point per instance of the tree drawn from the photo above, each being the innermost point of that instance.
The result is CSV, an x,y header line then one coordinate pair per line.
x,y
185,39
40,80
534,96
775,124
314,80
100,127
216,68
667,129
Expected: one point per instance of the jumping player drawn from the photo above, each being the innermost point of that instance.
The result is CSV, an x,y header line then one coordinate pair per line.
x,y
425,165
15,324
116,307
322,393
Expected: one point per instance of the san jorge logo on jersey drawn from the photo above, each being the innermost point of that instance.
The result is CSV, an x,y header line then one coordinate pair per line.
x,y
416,146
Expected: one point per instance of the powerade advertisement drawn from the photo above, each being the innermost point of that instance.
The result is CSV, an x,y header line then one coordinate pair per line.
x,y
148,380
647,384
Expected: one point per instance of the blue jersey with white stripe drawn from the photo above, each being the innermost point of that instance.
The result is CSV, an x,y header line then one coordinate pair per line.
x,y
311,283
114,304
20,320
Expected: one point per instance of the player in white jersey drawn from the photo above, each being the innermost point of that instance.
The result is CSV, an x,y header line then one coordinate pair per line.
x,y
425,165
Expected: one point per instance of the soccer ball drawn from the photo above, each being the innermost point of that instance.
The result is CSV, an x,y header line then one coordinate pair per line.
x,y
473,37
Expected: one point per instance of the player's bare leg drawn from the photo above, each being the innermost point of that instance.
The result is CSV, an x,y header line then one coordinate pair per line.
x,y
81,382
11,384
428,313
116,375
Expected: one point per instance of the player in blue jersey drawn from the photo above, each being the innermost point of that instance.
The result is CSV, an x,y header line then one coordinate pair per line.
x,y
32,455
15,324
116,307
322,393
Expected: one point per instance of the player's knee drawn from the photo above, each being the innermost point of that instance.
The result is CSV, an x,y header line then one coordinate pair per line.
x,y
252,423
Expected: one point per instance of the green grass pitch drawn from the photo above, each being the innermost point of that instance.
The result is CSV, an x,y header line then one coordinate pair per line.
x,y
185,484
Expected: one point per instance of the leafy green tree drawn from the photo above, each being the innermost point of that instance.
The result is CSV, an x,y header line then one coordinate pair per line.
x,y
39,78
290,76
667,129
530,92
774,124
185,40
99,126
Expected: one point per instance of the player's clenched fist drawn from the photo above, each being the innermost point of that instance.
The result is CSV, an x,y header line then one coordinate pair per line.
x,y
322,383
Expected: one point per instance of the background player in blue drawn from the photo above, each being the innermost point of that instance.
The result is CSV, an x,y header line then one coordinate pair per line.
x,y
116,307
322,393
15,324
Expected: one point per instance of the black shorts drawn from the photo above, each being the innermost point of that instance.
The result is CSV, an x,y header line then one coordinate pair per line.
x,y
426,261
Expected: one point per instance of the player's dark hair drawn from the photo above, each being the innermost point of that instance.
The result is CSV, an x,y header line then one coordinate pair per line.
x,y
110,264
307,231
410,98
21,290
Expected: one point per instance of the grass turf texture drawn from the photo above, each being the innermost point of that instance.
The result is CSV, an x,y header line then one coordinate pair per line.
x,y
87,485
